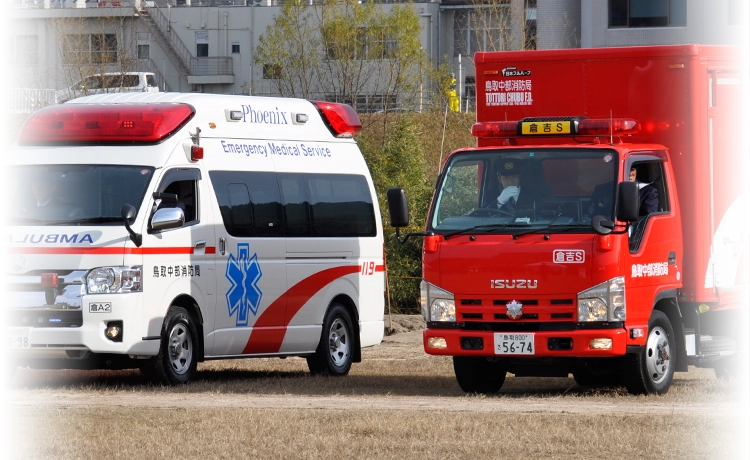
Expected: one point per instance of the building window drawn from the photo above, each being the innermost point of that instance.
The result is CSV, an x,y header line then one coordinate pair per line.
x,y
25,50
371,46
647,13
530,25
90,48
737,10
143,40
481,29
235,47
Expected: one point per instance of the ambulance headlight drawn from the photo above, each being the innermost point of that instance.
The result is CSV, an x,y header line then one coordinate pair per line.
x,y
603,302
114,280
437,304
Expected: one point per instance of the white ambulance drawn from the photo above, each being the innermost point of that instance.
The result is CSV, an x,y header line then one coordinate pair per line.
x,y
155,231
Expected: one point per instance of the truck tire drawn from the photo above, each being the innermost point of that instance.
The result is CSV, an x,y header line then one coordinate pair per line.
x,y
651,371
9,371
477,374
334,353
177,359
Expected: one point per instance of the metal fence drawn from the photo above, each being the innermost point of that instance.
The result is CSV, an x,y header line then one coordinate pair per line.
x,y
26,100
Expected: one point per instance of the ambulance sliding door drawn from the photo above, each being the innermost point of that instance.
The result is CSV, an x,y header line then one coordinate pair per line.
x,y
251,276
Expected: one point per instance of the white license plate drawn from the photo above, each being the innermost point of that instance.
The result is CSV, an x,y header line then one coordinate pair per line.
x,y
16,337
514,344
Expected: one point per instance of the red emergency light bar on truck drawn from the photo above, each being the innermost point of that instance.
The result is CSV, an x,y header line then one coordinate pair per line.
x,y
611,244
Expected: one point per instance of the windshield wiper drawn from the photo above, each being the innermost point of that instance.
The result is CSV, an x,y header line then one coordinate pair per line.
x,y
21,220
560,228
481,227
88,220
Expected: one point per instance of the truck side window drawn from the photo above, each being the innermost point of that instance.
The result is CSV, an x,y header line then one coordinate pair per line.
x,y
652,197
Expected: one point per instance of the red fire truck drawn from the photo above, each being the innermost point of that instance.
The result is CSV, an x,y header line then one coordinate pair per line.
x,y
599,228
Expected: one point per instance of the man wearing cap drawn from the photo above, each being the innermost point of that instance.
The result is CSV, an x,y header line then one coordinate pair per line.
x,y
42,186
513,197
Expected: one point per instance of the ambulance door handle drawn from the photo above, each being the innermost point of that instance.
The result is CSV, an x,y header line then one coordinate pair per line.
x,y
222,246
200,247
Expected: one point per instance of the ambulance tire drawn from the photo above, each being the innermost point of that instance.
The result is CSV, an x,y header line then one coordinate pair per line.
x,y
478,374
177,361
651,371
9,371
334,353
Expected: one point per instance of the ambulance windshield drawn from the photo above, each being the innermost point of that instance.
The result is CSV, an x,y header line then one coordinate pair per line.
x,y
510,191
73,194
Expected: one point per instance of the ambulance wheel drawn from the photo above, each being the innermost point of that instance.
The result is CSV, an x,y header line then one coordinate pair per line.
x,y
176,362
651,371
9,371
477,374
334,353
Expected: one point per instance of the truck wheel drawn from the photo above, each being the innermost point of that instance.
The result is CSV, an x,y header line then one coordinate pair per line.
x,y
334,353
477,374
651,371
177,358
9,371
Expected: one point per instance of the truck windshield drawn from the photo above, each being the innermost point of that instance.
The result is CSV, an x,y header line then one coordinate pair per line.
x,y
74,194
519,191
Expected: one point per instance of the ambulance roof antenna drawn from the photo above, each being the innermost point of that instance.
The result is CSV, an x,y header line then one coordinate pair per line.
x,y
611,128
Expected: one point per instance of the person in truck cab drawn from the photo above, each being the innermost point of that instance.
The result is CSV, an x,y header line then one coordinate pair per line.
x,y
603,196
518,189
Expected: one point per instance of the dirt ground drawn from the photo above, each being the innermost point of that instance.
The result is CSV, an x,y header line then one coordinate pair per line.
x,y
396,375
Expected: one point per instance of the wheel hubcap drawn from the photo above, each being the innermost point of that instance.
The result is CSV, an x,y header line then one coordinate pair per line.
x,y
657,355
338,343
180,349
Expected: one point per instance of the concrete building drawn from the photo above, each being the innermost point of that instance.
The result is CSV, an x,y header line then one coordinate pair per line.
x,y
209,45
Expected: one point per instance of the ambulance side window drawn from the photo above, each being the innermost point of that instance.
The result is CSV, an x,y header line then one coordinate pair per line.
x,y
296,205
249,203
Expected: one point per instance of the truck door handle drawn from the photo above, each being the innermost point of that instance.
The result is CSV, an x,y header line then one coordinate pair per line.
x,y
672,258
222,246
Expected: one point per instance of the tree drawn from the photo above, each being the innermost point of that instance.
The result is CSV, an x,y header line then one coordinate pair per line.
x,y
364,54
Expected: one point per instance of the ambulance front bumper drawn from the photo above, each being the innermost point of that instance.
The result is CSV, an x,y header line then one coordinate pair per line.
x,y
55,332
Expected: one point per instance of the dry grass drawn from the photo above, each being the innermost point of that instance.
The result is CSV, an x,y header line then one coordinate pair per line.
x,y
397,403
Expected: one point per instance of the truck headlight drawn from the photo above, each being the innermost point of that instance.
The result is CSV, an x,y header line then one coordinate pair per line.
x,y
603,302
114,280
437,304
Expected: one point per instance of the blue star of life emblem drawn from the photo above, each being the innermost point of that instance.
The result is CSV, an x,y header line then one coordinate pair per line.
x,y
243,272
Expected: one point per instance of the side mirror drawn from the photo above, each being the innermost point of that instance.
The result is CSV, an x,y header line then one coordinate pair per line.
x,y
129,213
167,218
627,202
398,208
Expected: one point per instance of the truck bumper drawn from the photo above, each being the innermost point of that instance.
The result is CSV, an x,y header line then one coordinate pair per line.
x,y
547,344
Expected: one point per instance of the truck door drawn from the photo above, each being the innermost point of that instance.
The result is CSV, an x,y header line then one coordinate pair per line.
x,y
655,240
727,175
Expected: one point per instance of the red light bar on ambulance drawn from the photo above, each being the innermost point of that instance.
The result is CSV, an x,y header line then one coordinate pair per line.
x,y
556,126
341,119
104,123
